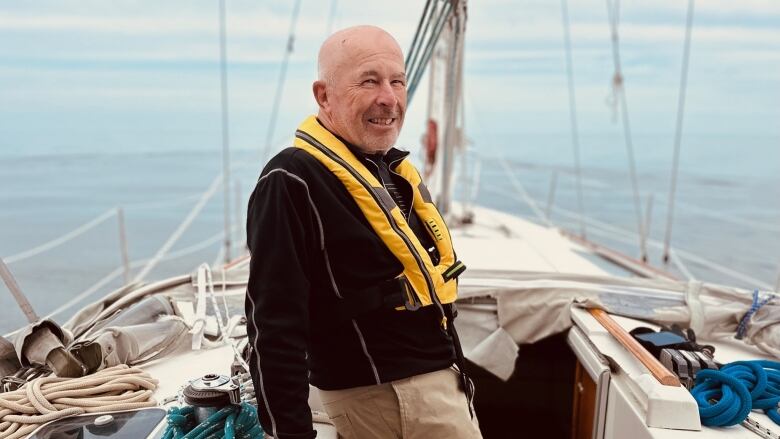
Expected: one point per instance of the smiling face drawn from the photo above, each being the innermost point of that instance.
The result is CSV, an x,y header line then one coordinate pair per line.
x,y
362,87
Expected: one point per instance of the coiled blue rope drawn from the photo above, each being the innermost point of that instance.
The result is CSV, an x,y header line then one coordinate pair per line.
x,y
231,422
736,389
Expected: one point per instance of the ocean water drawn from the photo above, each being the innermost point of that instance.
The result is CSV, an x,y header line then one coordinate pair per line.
x,y
728,211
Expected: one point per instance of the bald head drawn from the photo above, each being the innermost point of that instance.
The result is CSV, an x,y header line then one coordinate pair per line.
x,y
340,49
361,90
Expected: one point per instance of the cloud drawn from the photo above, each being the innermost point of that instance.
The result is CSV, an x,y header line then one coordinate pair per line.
x,y
155,54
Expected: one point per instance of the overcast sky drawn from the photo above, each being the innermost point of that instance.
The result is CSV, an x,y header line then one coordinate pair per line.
x,y
93,75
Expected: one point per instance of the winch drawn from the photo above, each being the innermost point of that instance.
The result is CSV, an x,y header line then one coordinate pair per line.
x,y
210,393
212,406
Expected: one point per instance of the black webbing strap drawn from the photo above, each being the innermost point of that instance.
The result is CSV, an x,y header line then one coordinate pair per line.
x,y
386,295
460,360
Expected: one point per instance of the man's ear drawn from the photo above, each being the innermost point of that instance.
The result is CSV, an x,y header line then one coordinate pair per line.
x,y
320,94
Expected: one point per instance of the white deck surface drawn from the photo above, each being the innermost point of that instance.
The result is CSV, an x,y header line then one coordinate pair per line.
x,y
499,241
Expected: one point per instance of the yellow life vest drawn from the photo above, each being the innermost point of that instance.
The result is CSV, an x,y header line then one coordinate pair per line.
x,y
428,284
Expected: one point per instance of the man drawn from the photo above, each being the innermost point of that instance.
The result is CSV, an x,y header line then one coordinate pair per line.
x,y
353,273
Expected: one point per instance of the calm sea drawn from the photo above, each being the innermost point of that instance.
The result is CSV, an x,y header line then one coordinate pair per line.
x,y
728,214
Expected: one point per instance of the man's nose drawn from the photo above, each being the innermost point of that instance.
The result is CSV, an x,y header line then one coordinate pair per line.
x,y
386,95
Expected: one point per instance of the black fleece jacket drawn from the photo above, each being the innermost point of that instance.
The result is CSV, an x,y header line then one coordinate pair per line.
x,y
310,243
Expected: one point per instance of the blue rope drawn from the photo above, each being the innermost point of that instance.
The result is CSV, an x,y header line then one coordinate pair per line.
x,y
231,422
726,396
754,307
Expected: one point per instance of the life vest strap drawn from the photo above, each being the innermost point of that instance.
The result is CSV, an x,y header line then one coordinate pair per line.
x,y
394,294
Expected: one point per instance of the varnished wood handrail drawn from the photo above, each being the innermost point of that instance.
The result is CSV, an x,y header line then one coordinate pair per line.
x,y
661,373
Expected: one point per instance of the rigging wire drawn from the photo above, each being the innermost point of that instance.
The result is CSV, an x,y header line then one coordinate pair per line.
x,y
422,29
280,85
613,12
626,236
427,34
678,129
431,44
80,230
225,127
180,230
681,266
573,111
108,278
524,195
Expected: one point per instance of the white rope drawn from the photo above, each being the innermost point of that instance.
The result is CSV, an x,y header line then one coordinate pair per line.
x,y
180,230
224,302
222,324
80,230
49,398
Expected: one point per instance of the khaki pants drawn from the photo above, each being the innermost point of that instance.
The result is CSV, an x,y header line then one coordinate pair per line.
x,y
427,406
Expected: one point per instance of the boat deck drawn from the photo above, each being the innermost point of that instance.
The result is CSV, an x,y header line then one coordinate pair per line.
x,y
498,243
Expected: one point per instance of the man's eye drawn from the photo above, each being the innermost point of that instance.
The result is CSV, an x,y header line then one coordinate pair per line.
x,y
370,82
400,83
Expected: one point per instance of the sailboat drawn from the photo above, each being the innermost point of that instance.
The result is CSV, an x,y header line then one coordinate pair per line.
x,y
549,322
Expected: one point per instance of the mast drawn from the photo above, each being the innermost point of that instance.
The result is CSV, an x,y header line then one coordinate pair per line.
x,y
442,24
453,127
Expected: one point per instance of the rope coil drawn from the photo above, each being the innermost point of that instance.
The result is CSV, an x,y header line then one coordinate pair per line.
x,y
231,422
49,398
727,396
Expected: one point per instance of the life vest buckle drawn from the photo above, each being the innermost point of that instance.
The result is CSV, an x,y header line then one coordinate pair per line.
x,y
453,271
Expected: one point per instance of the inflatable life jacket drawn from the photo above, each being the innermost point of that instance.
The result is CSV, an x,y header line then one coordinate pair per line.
x,y
426,283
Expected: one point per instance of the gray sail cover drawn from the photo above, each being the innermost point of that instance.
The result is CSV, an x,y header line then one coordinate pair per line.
x,y
498,310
